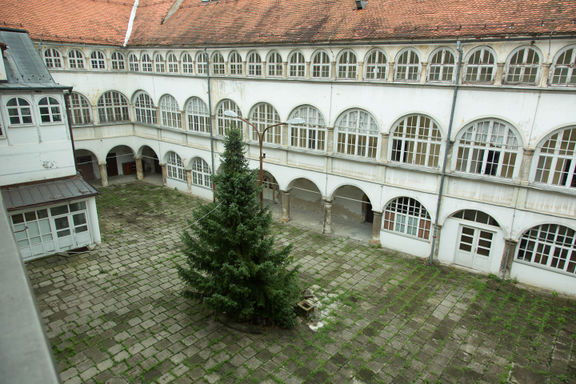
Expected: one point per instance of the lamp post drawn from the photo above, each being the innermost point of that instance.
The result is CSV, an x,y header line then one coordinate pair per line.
x,y
260,134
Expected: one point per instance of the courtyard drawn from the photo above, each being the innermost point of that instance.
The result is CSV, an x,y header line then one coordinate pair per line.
x,y
115,314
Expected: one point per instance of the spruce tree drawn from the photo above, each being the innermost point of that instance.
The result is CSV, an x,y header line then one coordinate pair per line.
x,y
233,266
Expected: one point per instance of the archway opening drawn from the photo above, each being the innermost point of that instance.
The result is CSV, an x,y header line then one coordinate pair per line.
x,y
352,213
151,170
87,165
306,204
271,193
121,165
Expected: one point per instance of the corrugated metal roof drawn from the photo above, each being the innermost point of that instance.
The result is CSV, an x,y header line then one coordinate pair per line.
x,y
32,195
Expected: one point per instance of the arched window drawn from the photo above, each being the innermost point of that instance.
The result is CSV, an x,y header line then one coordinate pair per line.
x,y
488,147
218,66
557,159
312,133
321,65
172,61
407,216
144,108
296,65
224,122
407,66
201,63
262,116
357,133
235,62
197,115
118,61
347,65
480,66
159,63
201,173
49,109
113,106
19,111
170,113
52,58
97,60
133,63
175,167
146,63
376,65
254,64
441,66
80,109
550,246
416,140
476,217
75,59
274,64
187,63
523,66
564,70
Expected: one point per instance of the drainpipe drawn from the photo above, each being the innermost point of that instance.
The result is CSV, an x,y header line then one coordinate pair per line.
x,y
448,135
210,118
69,118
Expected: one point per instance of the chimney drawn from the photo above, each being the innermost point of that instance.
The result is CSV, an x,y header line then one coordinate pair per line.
x,y
360,4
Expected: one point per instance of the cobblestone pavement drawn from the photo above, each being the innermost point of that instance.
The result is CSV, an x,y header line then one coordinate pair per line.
x,y
116,312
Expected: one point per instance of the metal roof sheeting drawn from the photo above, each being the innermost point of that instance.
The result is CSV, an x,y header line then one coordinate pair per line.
x,y
31,195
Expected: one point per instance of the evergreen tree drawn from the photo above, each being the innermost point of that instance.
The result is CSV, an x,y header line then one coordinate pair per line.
x,y
232,264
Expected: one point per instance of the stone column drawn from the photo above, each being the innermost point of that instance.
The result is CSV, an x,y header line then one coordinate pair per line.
x,y
524,174
329,140
423,72
384,144
95,115
333,69
244,68
264,69
360,74
226,68
158,116
376,226
545,72
285,199
164,173
327,229
285,69
189,179
307,73
499,74
448,158
139,168
507,258
184,120
391,71
103,174
437,242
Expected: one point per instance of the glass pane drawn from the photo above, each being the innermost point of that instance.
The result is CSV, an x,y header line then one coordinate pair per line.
x,y
79,219
43,213
61,223
30,216
35,240
59,210
44,226
17,218
33,229
63,233
83,228
77,206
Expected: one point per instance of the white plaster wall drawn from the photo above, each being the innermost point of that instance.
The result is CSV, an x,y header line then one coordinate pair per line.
x,y
539,277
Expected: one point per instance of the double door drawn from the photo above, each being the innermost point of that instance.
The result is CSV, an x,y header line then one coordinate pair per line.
x,y
474,247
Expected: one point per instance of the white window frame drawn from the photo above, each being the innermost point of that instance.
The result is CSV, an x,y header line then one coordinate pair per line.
x,y
408,66
113,107
519,70
22,110
170,112
175,167
159,63
356,133
53,58
442,66
80,109
146,62
480,66
555,159
408,217
133,62
296,65
312,133
235,64
263,115
76,59
218,64
347,65
320,65
197,115
564,73
201,175
98,61
254,64
223,122
144,109
49,110
118,61
416,140
187,63
201,63
376,65
274,65
172,63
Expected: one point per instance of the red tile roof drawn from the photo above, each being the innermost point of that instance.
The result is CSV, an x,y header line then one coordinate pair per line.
x,y
285,21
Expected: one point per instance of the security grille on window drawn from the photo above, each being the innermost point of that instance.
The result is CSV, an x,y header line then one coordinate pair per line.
x,y
146,63
218,65
113,106
159,63
224,122
481,66
19,111
357,134
312,133
550,246
347,65
172,61
187,63
144,109
97,60
488,147
49,110
441,67
262,116
75,59
406,215
416,140
201,173
564,71
296,65
201,63
235,63
133,63
197,115
321,65
170,113
52,58
175,167
274,64
557,159
80,109
376,66
407,66
254,64
118,61
523,67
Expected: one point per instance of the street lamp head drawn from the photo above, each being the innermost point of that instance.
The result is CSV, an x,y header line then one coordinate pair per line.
x,y
230,113
296,120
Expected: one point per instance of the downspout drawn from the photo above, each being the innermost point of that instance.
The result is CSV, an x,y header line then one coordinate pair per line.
x,y
130,23
69,118
210,118
447,148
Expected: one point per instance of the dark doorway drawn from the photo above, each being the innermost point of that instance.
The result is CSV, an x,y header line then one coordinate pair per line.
x,y
111,164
